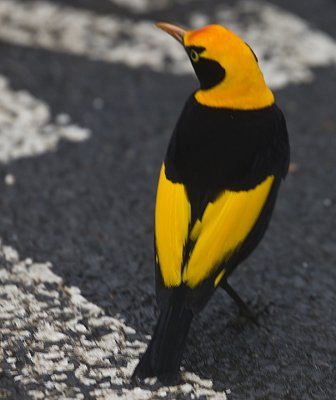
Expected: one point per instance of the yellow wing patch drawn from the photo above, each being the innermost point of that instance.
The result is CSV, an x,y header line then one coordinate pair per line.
x,y
224,225
172,219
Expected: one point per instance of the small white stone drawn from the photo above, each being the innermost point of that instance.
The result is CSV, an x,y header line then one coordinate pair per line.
x,y
28,261
10,179
186,388
10,254
81,328
36,394
41,272
74,133
193,378
327,202
48,333
128,330
59,377
98,103
63,119
49,385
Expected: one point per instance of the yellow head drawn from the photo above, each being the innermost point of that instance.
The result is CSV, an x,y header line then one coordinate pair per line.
x,y
226,67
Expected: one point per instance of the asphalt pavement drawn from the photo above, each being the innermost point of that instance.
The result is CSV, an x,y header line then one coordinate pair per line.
x,y
89,94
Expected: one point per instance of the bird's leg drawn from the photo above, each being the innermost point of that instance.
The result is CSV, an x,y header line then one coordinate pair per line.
x,y
243,308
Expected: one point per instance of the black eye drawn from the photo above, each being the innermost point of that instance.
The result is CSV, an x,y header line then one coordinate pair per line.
x,y
194,55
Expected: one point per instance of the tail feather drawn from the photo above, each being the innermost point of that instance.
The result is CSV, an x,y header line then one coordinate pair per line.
x,y
164,352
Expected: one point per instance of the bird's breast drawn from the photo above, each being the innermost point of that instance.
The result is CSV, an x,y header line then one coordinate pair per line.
x,y
223,148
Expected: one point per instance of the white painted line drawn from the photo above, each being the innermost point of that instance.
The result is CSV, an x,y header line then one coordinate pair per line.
x,y
26,128
288,48
43,318
142,6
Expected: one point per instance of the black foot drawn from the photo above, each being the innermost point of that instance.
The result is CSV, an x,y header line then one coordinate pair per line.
x,y
246,313
243,308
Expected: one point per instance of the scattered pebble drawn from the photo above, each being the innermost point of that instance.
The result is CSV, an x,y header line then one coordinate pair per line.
x,y
293,167
327,202
10,179
98,103
55,346
63,119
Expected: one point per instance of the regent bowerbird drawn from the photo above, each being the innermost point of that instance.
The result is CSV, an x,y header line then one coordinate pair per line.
x,y
217,187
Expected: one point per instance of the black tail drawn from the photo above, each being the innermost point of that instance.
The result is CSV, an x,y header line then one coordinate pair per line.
x,y
164,352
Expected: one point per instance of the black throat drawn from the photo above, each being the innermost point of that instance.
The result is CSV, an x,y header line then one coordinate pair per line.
x,y
209,72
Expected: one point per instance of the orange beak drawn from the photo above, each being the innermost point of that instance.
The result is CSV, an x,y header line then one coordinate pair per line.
x,y
175,31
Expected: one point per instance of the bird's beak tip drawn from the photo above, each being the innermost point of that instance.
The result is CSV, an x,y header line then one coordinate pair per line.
x,y
175,31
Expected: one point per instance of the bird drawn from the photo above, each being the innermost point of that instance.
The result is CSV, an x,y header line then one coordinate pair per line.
x,y
217,187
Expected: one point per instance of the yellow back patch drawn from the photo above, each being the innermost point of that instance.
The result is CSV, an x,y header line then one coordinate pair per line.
x,y
172,219
224,226
222,229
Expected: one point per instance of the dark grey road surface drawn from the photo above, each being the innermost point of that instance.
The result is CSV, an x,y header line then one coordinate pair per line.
x,y
88,209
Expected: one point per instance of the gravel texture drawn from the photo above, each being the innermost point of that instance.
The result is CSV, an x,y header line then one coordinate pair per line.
x,y
82,136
